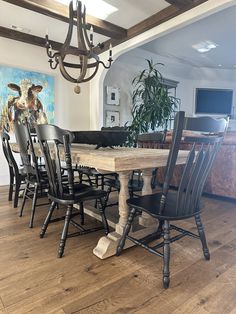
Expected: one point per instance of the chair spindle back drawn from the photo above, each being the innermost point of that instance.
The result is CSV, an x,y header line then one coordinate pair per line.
x,y
8,152
203,138
27,152
55,142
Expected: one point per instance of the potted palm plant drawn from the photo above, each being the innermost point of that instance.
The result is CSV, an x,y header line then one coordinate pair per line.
x,y
152,104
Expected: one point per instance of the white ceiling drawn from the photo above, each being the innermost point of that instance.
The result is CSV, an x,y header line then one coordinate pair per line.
x,y
130,12
218,28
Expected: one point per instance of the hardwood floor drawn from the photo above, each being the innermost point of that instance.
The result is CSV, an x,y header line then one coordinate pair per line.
x,y
34,280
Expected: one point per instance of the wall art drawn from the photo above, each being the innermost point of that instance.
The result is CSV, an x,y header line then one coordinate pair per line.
x,y
25,94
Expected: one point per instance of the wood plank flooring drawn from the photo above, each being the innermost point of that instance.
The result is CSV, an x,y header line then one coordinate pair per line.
x,y
34,280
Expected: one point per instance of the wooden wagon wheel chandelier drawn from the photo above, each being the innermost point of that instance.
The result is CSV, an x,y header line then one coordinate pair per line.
x,y
88,60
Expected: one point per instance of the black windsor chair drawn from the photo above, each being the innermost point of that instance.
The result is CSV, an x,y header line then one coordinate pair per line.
x,y
52,139
36,177
17,175
169,205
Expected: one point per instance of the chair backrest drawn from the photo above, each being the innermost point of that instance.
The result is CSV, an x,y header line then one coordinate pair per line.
x,y
27,152
8,152
151,140
52,141
204,136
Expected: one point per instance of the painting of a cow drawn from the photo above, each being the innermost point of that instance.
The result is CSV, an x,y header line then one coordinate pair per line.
x,y
26,104
25,94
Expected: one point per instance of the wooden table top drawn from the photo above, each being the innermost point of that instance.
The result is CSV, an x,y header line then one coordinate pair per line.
x,y
116,159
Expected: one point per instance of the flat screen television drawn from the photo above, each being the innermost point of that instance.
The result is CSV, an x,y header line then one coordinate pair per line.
x,y
213,101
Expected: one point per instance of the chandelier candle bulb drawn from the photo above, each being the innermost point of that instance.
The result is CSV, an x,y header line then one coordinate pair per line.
x,y
91,35
110,50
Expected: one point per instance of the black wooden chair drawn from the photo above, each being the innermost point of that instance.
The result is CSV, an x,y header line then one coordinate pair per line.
x,y
135,183
170,205
92,176
17,175
68,193
36,177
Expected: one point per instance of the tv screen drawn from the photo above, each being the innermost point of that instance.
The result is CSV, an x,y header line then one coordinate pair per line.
x,y
215,101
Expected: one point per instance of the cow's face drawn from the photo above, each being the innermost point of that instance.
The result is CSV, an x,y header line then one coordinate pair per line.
x,y
27,94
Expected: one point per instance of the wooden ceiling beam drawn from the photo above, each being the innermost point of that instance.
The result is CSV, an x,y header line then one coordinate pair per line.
x,y
180,3
31,39
155,20
59,11
162,16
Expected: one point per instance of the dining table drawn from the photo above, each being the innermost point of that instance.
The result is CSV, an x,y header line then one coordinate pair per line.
x,y
122,160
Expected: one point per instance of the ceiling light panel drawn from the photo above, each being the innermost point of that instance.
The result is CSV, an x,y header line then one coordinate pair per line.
x,y
204,46
100,10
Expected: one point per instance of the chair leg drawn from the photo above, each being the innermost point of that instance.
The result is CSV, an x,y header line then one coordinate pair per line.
x,y
17,191
11,185
202,236
81,205
36,189
108,194
24,199
102,212
166,254
47,220
160,229
65,231
126,231
160,226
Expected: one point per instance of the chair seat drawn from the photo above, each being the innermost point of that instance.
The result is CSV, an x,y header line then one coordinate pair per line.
x,y
93,176
22,172
43,180
82,192
151,205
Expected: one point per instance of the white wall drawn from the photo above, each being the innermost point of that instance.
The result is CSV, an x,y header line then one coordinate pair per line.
x,y
127,66
97,88
72,111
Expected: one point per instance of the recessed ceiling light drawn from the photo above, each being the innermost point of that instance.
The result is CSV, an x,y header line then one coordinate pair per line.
x,y
204,46
202,50
219,65
100,10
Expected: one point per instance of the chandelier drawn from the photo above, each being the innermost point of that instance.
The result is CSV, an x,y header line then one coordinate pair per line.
x,y
88,60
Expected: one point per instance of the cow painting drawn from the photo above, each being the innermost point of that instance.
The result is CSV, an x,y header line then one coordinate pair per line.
x,y
26,103
25,94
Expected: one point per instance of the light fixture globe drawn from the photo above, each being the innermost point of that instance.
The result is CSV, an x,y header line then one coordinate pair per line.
x,y
89,61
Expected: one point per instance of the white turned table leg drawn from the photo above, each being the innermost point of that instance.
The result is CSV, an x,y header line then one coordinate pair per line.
x,y
123,196
107,245
146,220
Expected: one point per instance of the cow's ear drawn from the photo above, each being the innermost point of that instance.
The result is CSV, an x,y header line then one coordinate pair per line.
x,y
14,87
36,88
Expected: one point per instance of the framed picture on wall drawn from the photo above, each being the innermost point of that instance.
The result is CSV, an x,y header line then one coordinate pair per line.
x,y
112,118
113,96
25,94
